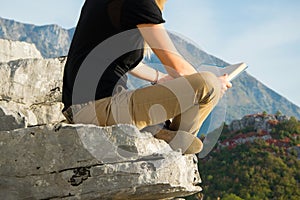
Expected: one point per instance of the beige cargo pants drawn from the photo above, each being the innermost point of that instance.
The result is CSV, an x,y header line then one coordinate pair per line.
x,y
186,100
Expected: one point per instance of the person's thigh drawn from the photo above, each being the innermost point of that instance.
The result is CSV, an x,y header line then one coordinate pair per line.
x,y
155,104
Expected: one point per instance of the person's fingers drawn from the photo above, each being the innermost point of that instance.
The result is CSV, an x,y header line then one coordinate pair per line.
x,y
229,84
224,89
225,84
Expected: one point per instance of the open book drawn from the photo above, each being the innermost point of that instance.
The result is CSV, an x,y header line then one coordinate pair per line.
x,y
232,70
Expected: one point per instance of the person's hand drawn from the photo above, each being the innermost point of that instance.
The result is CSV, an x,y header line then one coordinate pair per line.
x,y
225,83
164,77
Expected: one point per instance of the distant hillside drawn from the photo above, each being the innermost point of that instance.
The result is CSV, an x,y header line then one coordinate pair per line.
x,y
259,160
251,172
247,96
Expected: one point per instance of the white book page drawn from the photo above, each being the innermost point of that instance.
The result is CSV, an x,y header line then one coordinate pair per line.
x,y
232,70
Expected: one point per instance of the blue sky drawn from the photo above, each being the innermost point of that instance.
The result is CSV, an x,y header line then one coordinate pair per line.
x,y
263,33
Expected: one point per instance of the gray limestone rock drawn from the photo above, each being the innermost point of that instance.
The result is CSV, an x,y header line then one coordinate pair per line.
x,y
235,125
33,87
13,50
89,162
31,81
256,121
10,120
37,114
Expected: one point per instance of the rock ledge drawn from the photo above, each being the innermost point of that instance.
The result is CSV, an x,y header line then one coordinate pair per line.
x,y
88,162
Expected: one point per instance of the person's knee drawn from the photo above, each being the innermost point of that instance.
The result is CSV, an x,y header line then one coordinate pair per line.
x,y
206,84
211,80
204,79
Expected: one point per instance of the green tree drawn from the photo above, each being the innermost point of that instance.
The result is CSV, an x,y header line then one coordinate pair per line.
x,y
231,197
264,113
250,171
253,171
278,113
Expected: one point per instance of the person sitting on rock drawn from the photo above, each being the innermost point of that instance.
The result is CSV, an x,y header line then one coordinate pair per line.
x,y
110,40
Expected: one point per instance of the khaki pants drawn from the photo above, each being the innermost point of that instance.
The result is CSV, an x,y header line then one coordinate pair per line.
x,y
186,100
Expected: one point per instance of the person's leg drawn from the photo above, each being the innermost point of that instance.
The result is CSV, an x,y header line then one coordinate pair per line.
x,y
192,119
188,100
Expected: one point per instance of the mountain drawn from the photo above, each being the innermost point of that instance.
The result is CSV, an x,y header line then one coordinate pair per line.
x,y
247,96
50,40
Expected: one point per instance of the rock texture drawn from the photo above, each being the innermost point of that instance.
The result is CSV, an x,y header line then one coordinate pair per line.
x,y
13,50
33,88
10,120
89,162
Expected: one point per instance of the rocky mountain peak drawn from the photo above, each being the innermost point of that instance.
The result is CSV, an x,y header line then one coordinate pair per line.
x,y
50,40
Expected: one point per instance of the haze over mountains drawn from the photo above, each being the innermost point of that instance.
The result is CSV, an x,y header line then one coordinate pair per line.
x,y
246,97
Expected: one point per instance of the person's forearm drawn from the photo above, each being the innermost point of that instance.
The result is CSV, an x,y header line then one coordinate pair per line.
x,y
146,73
174,63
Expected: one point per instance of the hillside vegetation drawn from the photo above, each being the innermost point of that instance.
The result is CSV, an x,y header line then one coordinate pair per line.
x,y
260,169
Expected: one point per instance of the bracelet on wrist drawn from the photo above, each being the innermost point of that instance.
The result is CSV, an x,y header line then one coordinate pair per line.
x,y
156,78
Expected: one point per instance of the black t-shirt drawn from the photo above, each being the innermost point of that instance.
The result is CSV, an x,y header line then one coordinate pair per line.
x,y
98,22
